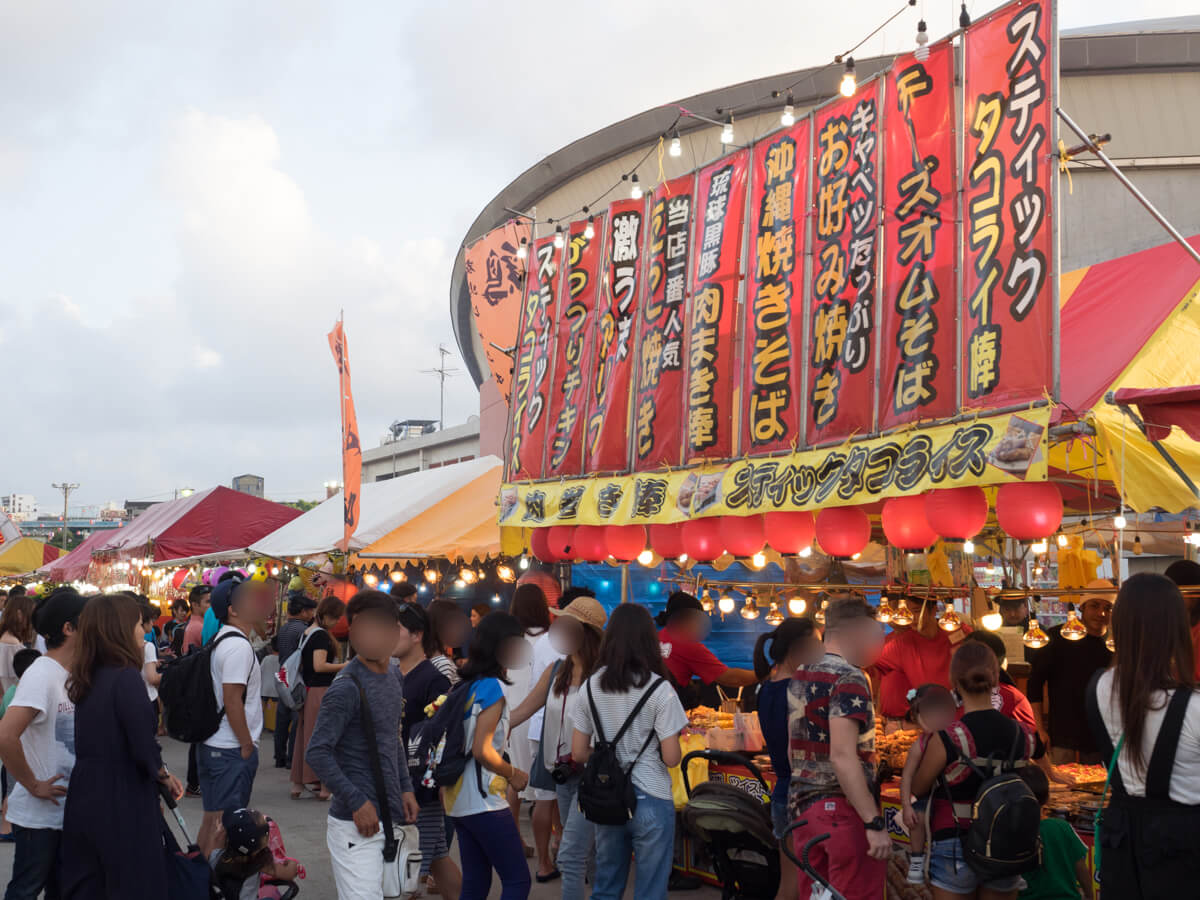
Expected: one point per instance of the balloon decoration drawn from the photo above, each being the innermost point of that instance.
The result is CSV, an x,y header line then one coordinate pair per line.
x,y
561,542
591,543
179,578
843,531
702,539
667,540
539,545
790,532
957,514
904,523
1029,511
625,542
214,575
743,535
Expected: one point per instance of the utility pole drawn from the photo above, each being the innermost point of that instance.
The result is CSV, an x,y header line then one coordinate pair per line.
x,y
441,371
66,487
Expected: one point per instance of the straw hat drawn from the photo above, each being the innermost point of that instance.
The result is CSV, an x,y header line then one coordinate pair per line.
x,y
1095,585
586,610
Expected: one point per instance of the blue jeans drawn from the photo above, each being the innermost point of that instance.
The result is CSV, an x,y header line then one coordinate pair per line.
x,y
489,841
35,864
650,837
577,848
226,779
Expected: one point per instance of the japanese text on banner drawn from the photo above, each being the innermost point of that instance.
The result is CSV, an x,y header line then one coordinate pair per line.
x,y
493,275
531,385
846,222
1008,323
918,355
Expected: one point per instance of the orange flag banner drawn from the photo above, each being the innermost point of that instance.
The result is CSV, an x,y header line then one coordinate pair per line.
x,y
351,446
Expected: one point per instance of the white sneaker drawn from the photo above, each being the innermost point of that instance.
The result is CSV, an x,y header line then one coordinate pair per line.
x,y
916,869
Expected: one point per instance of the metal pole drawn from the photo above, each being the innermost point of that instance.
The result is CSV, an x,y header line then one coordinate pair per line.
x,y
1129,185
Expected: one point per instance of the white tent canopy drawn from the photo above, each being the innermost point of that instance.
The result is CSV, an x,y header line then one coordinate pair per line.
x,y
383,507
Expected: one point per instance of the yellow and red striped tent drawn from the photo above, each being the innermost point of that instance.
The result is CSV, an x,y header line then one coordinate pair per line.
x,y
26,554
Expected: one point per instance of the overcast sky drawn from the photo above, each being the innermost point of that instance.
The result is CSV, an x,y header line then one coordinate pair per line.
x,y
189,193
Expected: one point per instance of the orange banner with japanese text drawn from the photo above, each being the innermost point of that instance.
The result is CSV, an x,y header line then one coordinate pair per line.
x,y
494,275
351,445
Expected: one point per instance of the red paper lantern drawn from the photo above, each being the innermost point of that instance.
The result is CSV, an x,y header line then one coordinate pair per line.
x,y
843,531
561,542
904,523
743,535
790,532
1029,511
667,540
625,542
702,539
539,545
590,543
957,514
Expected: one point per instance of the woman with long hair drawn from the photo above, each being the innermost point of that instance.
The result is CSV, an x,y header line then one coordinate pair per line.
x,y
16,633
629,669
1146,715
487,835
318,666
112,832
777,655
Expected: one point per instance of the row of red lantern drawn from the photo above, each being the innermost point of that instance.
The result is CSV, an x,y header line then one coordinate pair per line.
x,y
1024,511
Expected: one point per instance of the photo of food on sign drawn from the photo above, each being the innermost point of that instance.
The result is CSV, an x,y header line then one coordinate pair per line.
x,y
508,502
1020,447
699,491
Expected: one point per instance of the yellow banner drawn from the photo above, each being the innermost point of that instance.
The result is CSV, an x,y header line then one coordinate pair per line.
x,y
985,451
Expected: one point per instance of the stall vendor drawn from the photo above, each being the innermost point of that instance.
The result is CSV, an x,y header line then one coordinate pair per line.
x,y
685,625
921,652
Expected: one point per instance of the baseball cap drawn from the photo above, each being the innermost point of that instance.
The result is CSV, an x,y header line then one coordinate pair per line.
x,y
60,606
244,833
222,594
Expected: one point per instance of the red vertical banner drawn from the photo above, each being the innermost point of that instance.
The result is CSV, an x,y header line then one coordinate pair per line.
x,y
575,339
918,354
658,386
607,447
351,445
1008,285
772,408
531,375
845,247
712,313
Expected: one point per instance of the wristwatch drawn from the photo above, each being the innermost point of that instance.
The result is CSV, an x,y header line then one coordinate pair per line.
x,y
876,824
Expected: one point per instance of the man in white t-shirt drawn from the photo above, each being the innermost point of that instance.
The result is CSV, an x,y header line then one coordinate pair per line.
x,y
228,761
37,745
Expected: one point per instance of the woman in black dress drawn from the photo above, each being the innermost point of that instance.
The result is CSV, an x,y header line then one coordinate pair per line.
x,y
112,830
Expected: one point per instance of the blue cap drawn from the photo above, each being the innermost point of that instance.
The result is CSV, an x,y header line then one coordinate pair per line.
x,y
222,594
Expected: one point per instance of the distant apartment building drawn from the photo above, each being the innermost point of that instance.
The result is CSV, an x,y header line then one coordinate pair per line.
x,y
19,507
249,484
415,444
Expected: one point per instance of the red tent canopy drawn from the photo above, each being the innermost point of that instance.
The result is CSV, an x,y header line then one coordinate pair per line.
x,y
74,565
1163,408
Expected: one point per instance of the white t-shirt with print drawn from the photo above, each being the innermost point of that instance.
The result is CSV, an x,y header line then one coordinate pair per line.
x,y
48,742
149,655
463,798
234,662
663,715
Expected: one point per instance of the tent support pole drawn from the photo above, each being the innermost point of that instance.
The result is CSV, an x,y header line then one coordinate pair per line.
x,y
1090,143
1157,445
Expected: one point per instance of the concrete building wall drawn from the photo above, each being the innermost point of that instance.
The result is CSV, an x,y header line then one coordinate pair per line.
x,y
428,451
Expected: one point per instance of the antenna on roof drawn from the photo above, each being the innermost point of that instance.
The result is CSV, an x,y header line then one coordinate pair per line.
x,y
441,371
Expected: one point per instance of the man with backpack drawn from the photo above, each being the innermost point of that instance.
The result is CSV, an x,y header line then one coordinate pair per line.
x,y
300,610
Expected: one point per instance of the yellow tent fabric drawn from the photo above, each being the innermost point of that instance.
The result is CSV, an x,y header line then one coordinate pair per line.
x,y
25,555
464,525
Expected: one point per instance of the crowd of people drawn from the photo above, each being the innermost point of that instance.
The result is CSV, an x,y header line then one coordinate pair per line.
x,y
447,722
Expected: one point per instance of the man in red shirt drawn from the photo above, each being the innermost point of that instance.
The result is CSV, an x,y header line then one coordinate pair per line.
x,y
684,654
198,597
921,653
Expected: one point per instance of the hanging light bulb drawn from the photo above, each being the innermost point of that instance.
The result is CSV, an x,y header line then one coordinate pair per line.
x,y
922,51
949,620
635,189
884,613
819,615
991,620
370,580
805,552
774,617
1034,637
1040,547
1073,629
683,557
558,237
524,563
1061,540
676,148
796,606
706,602
856,557
589,230
467,575
725,604
1109,642
274,570
1137,545
459,583
1119,521
903,615
788,119
432,575
758,560
849,79
522,249
504,573
727,130
646,557
750,609
968,547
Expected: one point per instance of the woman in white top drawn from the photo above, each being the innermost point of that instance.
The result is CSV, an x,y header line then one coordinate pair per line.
x,y
630,667
1145,711
16,633
576,631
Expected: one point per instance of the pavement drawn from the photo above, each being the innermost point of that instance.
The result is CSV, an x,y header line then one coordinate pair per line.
x,y
302,823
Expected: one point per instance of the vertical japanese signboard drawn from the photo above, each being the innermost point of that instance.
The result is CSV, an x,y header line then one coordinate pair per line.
x,y
658,388
845,247
607,441
576,337
1008,284
773,405
493,275
712,314
920,292
532,373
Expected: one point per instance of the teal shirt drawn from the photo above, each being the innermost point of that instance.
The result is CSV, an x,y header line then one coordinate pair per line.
x,y
8,695
1055,878
211,626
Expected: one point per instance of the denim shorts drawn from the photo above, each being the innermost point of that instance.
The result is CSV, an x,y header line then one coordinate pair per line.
x,y
949,871
225,778
780,818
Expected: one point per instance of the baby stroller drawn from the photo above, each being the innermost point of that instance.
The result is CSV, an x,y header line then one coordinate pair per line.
x,y
189,876
735,827
829,891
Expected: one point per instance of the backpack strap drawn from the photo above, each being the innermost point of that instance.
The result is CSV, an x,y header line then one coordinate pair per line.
x,y
390,845
1091,702
1162,759
636,709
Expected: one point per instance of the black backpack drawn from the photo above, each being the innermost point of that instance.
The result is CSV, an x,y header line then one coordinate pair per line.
x,y
441,751
192,712
1003,837
606,794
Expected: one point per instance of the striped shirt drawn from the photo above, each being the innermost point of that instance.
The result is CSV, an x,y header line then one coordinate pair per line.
x,y
446,666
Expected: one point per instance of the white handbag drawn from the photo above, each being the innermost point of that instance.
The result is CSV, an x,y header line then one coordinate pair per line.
x,y
402,876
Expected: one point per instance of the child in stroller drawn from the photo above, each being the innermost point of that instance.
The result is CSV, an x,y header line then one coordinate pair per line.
x,y
249,862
